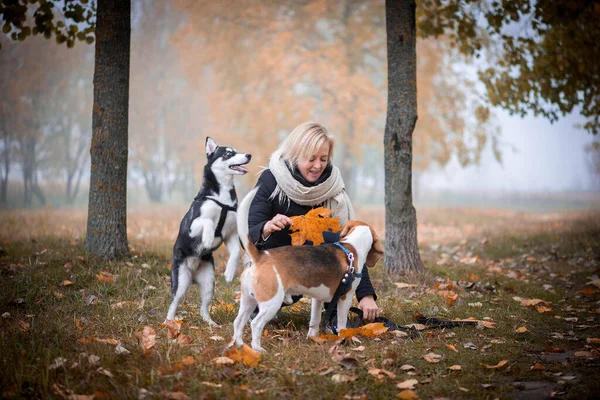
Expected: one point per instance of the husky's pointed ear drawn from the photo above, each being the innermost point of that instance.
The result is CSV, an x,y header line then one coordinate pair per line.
x,y
211,146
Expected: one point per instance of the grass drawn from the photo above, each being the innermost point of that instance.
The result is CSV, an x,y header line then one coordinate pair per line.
x,y
489,257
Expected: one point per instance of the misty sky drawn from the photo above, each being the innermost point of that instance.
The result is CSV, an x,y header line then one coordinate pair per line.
x,y
548,157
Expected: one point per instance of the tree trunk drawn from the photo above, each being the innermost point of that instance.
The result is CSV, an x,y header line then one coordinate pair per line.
x,y
401,246
153,185
106,234
28,155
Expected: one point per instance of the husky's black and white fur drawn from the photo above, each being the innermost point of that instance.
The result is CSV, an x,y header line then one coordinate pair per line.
x,y
210,221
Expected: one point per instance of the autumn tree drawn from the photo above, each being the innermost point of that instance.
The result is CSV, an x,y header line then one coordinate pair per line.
x,y
289,62
401,246
536,55
106,233
107,210
26,93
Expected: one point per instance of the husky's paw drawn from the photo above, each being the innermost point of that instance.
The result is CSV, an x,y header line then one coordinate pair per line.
x,y
229,274
257,347
208,237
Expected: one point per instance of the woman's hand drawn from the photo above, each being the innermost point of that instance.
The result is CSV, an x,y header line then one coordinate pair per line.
x,y
277,223
369,308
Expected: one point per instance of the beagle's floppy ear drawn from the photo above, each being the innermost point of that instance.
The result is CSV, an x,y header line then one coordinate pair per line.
x,y
376,251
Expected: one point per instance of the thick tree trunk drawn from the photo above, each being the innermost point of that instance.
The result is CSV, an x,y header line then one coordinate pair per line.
x,y
107,210
401,246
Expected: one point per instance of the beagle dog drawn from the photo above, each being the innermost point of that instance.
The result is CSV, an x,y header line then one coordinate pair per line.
x,y
315,271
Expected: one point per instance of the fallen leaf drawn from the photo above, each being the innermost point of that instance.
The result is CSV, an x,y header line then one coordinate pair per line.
x,y
470,345
184,339
587,354
359,348
521,329
80,325
348,362
23,326
450,296
341,378
173,328
319,339
107,341
246,355
122,304
407,384
499,365
176,396
455,368
593,340
535,303
105,277
402,285
587,291
57,363
451,347
147,339
486,324
216,338
543,309
407,367
120,349
381,373
407,395
211,384
595,282
104,371
432,358
92,299
538,367
66,282
371,330
222,360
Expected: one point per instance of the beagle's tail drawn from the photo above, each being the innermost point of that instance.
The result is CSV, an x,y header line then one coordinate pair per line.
x,y
242,224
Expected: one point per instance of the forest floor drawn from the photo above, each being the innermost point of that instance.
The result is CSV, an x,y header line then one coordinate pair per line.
x,y
76,327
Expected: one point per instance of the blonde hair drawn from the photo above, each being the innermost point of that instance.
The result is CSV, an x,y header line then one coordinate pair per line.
x,y
304,141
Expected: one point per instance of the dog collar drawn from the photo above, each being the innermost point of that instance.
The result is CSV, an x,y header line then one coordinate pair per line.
x,y
350,271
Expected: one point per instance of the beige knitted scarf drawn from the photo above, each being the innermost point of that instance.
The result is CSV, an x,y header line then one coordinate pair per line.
x,y
331,193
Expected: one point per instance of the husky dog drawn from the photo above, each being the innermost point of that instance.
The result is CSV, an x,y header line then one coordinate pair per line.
x,y
210,221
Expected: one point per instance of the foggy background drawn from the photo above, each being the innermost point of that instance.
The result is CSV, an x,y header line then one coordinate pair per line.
x,y
246,79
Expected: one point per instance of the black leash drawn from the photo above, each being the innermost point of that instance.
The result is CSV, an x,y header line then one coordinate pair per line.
x,y
413,333
224,210
345,285
342,289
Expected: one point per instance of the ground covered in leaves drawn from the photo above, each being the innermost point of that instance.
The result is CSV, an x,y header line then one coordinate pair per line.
x,y
74,327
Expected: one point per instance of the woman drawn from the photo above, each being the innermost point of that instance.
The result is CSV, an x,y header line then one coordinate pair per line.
x,y
301,177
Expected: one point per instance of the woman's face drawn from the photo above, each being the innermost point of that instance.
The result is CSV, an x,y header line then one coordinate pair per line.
x,y
312,168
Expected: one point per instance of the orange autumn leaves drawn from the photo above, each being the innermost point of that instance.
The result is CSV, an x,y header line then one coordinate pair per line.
x,y
245,355
372,330
310,227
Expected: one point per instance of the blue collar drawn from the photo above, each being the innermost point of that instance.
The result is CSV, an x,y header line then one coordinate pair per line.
x,y
350,257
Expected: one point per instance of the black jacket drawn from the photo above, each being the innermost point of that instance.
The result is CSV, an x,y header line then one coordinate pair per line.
x,y
263,209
